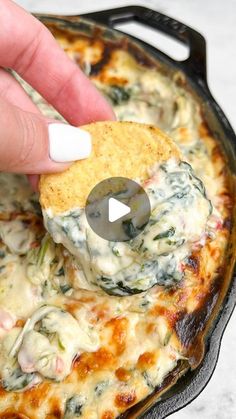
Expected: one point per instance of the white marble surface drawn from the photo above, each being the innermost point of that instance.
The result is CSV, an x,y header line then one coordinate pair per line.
x,y
216,20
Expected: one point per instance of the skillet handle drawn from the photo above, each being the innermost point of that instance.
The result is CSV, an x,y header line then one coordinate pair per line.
x,y
195,64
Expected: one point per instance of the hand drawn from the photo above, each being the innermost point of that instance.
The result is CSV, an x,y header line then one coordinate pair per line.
x,y
27,144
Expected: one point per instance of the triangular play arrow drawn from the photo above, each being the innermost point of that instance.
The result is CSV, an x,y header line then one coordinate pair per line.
x,y
117,209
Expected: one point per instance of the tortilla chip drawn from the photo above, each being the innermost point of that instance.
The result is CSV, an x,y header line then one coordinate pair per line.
x,y
120,149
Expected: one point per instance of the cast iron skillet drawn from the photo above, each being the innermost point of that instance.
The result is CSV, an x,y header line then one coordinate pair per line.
x,y
193,382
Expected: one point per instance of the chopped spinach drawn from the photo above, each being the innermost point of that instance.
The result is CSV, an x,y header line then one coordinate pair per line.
x,y
100,387
73,407
128,290
145,303
36,206
146,275
95,214
150,262
147,379
65,228
17,380
105,279
2,254
168,233
118,94
129,229
115,251
61,272
119,289
65,288
121,194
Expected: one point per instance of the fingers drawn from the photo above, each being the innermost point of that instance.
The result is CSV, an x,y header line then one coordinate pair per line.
x,y
34,181
29,145
29,48
12,91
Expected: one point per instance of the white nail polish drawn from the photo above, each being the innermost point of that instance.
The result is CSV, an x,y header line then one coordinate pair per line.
x,y
68,143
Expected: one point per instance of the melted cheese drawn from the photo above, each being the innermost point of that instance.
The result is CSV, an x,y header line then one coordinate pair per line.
x,y
51,350
17,295
136,346
179,214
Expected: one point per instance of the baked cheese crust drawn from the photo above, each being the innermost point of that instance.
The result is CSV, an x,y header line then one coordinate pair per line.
x,y
133,343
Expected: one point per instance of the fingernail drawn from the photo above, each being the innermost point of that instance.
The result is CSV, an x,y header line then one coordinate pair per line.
x,y
68,143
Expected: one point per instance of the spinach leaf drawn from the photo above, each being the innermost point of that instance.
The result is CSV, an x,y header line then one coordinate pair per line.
x,y
100,387
128,290
64,288
119,289
168,233
74,407
115,251
17,380
148,380
2,254
36,206
61,272
129,229
118,94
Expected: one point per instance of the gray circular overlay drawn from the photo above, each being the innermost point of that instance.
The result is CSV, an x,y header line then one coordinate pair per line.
x,y
122,191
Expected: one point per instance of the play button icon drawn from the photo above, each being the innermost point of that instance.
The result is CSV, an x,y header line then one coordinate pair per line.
x,y
117,209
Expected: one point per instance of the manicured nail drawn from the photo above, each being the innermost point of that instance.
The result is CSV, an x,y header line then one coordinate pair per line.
x,y
68,143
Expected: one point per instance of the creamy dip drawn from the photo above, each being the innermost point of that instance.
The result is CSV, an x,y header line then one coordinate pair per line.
x,y
45,347
138,344
178,221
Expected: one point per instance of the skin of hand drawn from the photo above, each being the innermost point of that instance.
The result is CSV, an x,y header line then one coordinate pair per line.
x,y
27,144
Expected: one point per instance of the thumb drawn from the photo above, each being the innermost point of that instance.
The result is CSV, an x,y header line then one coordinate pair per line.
x,y
29,143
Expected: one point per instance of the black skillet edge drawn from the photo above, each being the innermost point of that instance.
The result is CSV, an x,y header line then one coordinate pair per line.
x,y
189,386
